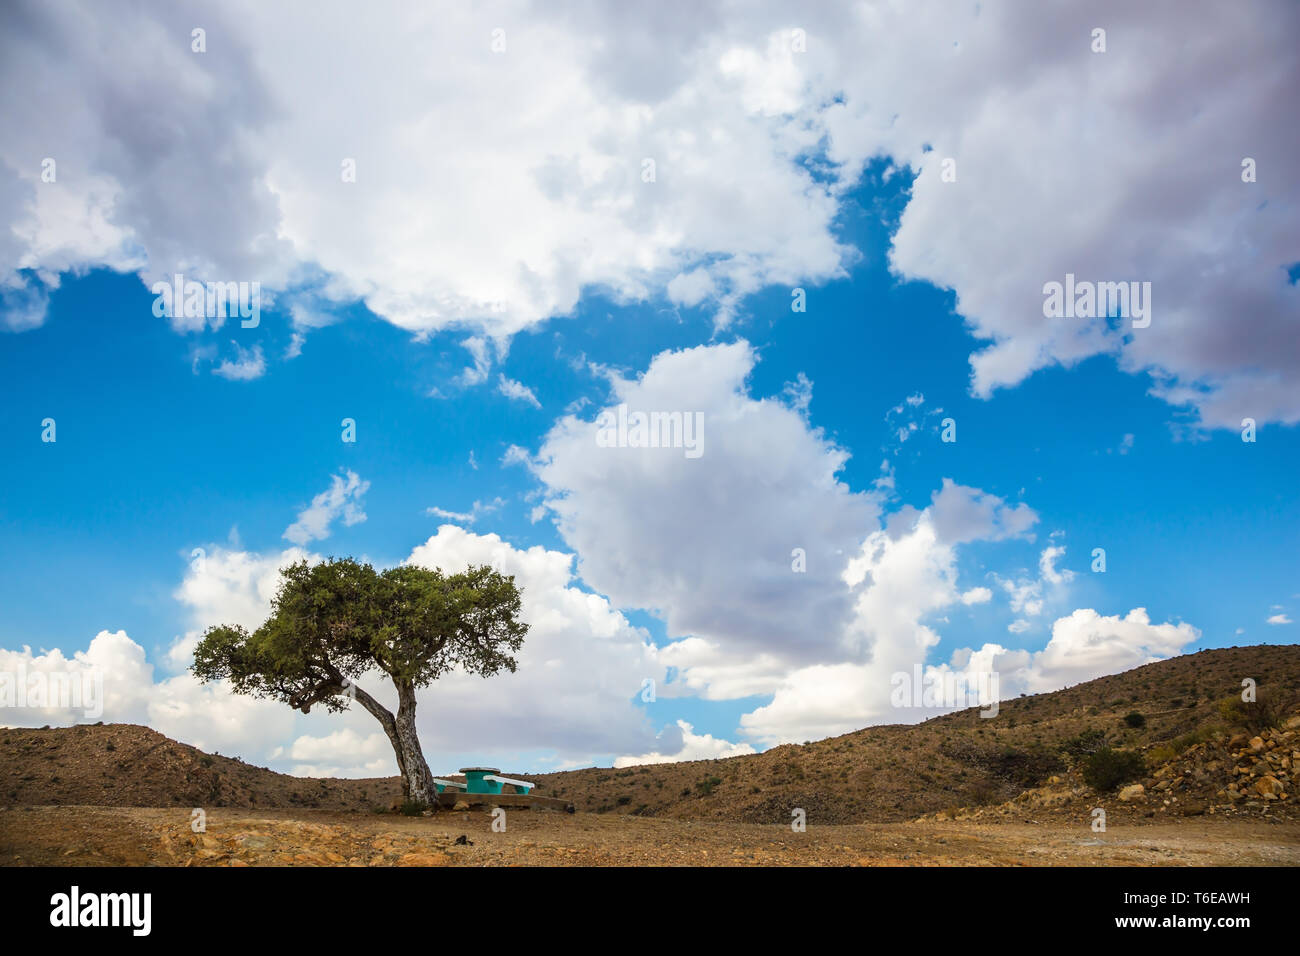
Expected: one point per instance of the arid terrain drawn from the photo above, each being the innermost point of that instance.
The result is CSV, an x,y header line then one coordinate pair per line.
x,y
956,790
133,836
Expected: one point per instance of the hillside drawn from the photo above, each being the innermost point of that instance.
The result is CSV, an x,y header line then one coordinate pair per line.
x,y
899,772
878,774
127,765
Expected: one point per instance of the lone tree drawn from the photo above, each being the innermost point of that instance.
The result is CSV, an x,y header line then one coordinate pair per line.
x,y
333,622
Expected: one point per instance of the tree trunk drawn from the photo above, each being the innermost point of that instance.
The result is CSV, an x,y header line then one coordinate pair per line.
x,y
417,780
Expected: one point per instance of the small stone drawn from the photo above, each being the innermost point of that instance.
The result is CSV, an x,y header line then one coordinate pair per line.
x,y
1269,787
1132,792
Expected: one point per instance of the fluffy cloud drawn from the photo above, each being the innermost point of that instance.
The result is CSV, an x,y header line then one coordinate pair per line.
x,y
680,742
1029,596
709,542
517,392
240,171
580,668
247,365
229,165
209,717
961,514
230,586
40,688
1008,91
1084,645
476,511
825,700
902,577
341,753
341,500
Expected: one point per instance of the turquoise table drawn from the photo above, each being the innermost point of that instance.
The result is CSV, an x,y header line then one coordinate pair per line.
x,y
475,782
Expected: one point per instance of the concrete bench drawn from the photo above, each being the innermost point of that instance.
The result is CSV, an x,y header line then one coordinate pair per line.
x,y
522,785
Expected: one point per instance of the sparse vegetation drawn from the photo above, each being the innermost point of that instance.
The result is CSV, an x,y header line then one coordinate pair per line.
x,y
1198,736
1109,769
1255,716
1084,745
707,785
1160,755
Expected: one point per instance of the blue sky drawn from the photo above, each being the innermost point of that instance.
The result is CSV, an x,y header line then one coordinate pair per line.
x,y
1067,439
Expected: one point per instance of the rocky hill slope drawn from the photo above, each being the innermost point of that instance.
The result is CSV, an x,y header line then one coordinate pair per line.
x,y
1029,753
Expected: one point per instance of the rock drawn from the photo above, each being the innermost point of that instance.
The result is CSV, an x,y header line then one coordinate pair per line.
x,y
1132,792
1256,744
1270,788
424,859
460,805
1292,723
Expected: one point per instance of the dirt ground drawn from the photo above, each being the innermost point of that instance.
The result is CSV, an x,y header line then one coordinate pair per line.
x,y
89,836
